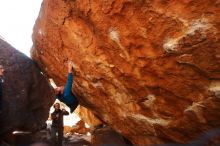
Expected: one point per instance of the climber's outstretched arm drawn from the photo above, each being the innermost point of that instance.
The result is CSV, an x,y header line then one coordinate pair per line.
x,y
65,112
68,87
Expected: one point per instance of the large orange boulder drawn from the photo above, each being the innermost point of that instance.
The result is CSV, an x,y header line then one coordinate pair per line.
x,y
149,69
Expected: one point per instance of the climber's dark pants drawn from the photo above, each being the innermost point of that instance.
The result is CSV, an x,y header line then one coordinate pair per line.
x,y
57,140
0,105
0,96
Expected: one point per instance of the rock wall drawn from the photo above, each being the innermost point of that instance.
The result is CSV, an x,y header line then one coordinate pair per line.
x,y
88,117
148,68
26,93
107,136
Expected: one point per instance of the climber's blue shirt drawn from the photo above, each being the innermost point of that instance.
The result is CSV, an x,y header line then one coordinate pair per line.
x,y
67,97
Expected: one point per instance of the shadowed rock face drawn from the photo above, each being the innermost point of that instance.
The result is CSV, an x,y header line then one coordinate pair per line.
x,y
150,69
107,136
26,93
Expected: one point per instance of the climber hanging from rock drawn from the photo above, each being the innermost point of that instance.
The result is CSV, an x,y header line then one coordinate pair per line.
x,y
65,94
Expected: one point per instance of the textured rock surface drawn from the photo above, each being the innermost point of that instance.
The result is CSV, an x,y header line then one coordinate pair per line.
x,y
107,136
79,127
77,140
150,69
27,95
87,116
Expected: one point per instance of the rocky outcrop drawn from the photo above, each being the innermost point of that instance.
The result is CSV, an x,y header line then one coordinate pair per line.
x,y
77,140
107,136
87,116
79,128
27,96
149,69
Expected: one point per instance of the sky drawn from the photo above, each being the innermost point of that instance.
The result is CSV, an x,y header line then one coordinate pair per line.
x,y
17,18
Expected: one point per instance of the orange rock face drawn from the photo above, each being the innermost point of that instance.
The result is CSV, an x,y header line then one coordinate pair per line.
x,y
78,128
149,69
88,117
